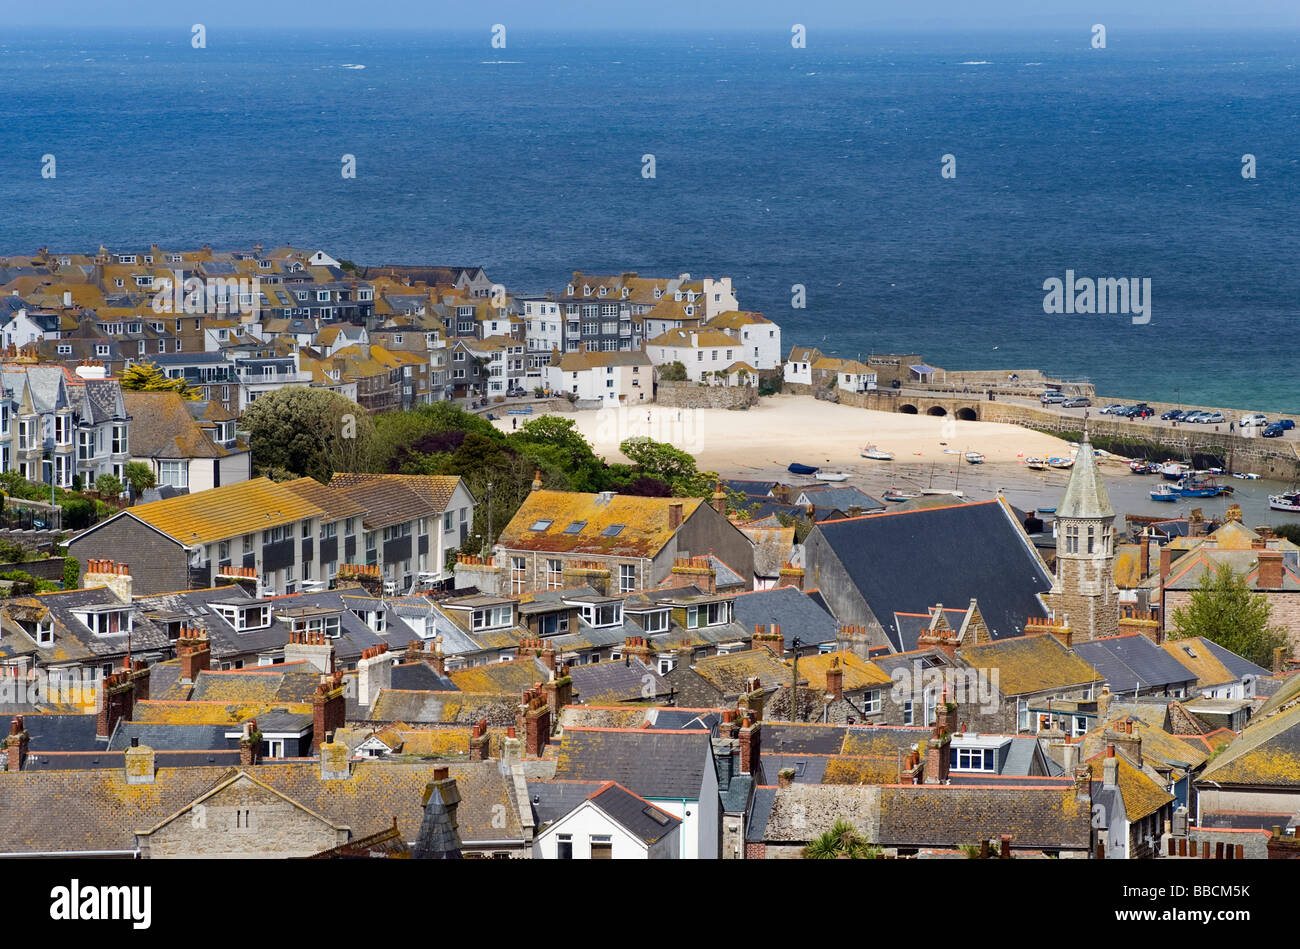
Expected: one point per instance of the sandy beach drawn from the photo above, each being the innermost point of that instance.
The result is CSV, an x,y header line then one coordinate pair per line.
x,y
787,428
929,452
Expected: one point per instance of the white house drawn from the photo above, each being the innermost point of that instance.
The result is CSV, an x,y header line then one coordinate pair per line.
x,y
613,378
700,351
759,337
611,824
798,365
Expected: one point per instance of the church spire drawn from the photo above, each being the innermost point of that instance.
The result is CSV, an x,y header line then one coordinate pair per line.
x,y
1085,495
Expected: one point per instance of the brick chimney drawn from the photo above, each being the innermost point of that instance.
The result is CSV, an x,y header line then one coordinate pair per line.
x,y
195,653
698,571
790,576
537,722
835,680
719,498
936,758
479,741
640,647
1166,559
1144,556
559,692
140,677
250,744
1121,735
116,701
770,639
328,708
751,745
1270,570
139,763
675,515
16,745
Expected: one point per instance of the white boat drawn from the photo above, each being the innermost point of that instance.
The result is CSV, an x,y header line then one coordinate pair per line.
x,y
936,492
1036,464
974,458
1174,470
1247,475
833,476
1060,462
1284,502
875,454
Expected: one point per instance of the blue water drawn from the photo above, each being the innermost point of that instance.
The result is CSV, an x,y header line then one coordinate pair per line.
x,y
777,166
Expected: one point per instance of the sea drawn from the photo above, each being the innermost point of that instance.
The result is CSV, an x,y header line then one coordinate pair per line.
x,y
818,170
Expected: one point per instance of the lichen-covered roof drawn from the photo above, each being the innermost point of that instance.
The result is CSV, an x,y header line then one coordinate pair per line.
x,y
729,673
227,511
858,673
644,533
1142,796
1028,664
1266,753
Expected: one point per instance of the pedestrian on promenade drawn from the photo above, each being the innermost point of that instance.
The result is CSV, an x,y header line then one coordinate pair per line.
x,y
1232,427
514,422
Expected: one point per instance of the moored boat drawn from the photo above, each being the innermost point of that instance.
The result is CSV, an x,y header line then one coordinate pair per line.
x,y
1163,492
1247,475
974,458
833,476
875,454
1035,464
1200,488
1060,462
896,494
796,468
1284,502
1174,470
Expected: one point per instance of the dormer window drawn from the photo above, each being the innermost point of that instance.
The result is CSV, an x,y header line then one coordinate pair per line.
x,y
44,632
602,292
708,614
110,622
626,291
586,291
264,264
599,615
492,617
243,618
656,622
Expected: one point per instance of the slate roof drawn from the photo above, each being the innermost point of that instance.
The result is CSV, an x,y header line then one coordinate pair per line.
x,y
633,813
1045,815
1132,661
551,800
53,732
657,764
420,676
1266,753
797,613
728,674
842,497
463,708
616,681
165,737
909,561
162,427
1085,495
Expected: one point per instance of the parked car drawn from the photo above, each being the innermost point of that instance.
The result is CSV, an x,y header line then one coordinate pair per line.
x,y
1078,402
1276,430
1286,423
1174,415
1195,416
1052,397
1112,409
1141,410
1214,418
1249,421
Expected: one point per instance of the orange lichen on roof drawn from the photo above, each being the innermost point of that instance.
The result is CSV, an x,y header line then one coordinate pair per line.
x,y
645,523
224,512
858,673
209,713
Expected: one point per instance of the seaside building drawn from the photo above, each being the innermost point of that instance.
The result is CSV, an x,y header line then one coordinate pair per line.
x,y
1083,590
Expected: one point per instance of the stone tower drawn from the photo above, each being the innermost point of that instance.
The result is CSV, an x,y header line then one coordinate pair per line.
x,y
1084,586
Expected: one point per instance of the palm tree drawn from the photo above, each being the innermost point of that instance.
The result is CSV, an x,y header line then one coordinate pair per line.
x,y
139,476
841,842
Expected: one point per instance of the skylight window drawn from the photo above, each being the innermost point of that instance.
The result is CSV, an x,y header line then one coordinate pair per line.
x,y
541,525
613,530
576,527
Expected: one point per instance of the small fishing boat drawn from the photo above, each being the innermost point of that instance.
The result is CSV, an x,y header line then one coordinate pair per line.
x,y
896,494
1201,488
974,458
1163,493
937,492
875,454
1174,470
1247,475
833,476
1142,467
1060,462
796,468
1036,464
1284,502
1047,510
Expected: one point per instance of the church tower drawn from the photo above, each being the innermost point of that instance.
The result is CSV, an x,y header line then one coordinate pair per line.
x,y
1084,586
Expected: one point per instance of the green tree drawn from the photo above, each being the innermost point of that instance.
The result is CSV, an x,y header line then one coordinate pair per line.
x,y
671,465
71,573
1289,531
146,377
672,372
309,431
139,477
1225,610
109,486
841,842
